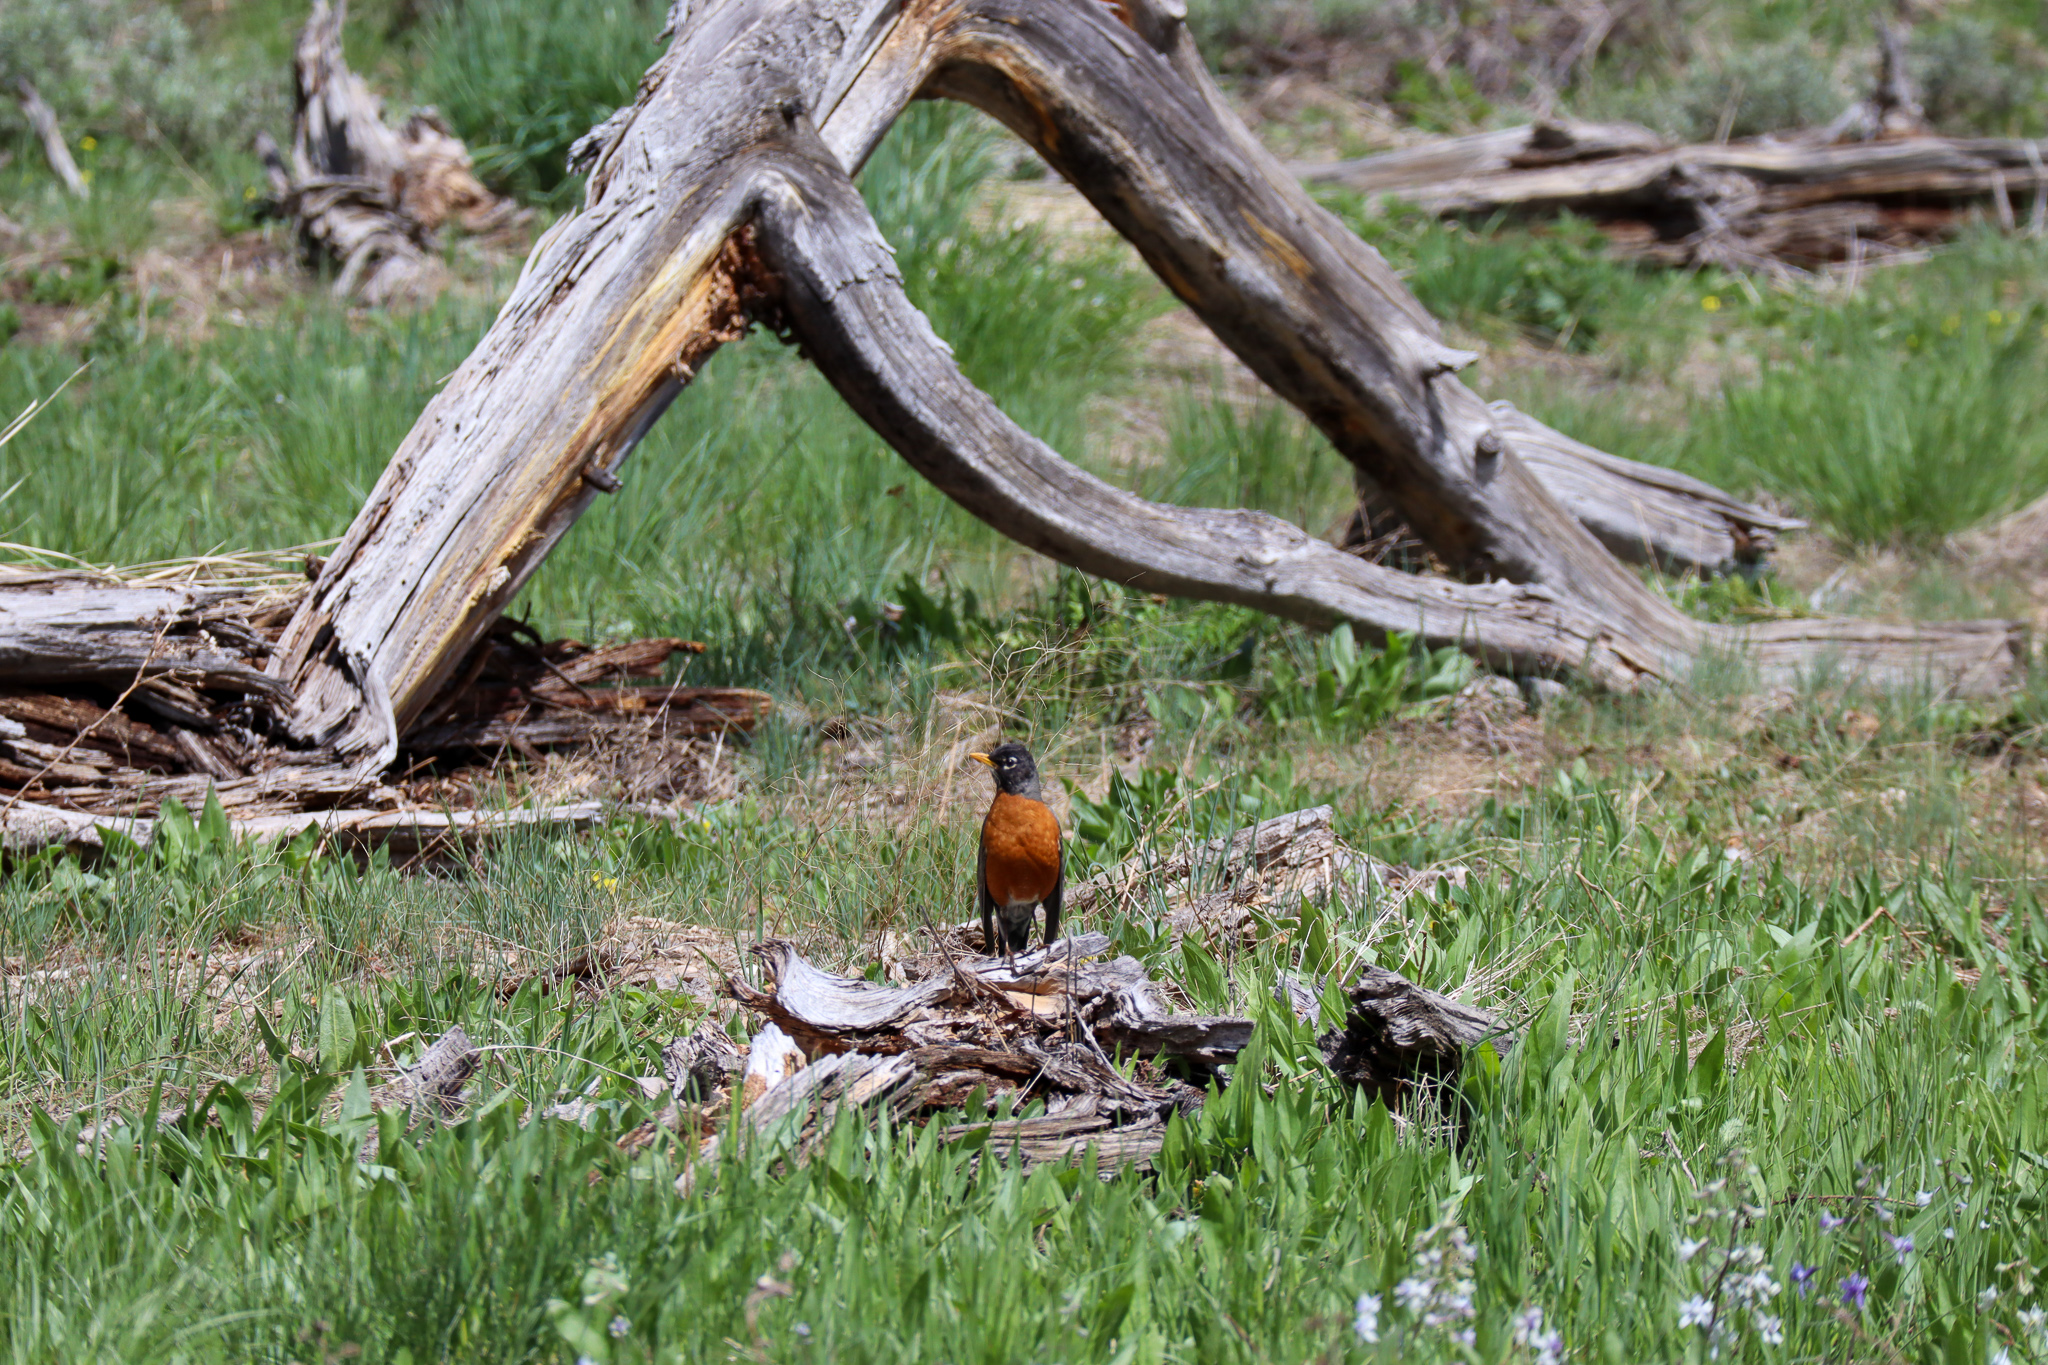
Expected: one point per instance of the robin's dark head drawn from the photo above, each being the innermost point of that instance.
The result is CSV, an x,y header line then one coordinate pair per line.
x,y
1015,772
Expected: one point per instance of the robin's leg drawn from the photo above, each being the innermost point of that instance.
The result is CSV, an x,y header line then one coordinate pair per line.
x,y
1014,922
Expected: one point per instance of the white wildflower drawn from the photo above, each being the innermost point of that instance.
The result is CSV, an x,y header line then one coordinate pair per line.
x,y
1367,1323
1688,1247
1771,1330
1987,1296
1695,1312
1925,1197
1550,1349
1413,1294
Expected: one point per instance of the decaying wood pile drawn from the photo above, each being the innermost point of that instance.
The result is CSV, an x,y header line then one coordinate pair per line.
x,y
117,694
1092,1040
365,197
1046,1057
1874,184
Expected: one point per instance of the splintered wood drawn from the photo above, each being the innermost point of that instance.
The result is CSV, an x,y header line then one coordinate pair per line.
x,y
119,693
1089,1040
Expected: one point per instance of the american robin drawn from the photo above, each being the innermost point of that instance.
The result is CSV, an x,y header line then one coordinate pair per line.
x,y
1019,866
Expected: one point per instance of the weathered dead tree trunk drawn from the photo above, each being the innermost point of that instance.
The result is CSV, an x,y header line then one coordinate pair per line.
x,y
723,196
365,195
43,119
1798,198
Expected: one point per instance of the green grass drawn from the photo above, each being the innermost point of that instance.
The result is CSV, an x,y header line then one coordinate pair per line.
x,y
1771,959
521,81
1827,1074
1895,414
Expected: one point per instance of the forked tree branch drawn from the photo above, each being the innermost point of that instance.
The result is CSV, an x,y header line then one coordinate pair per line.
x,y
713,191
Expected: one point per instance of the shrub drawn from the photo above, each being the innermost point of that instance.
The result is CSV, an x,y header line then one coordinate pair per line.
x,y
1977,78
520,80
130,66
1344,691
1755,90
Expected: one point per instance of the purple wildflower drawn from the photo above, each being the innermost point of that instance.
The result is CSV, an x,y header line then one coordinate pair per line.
x,y
1902,1245
1854,1290
1801,1273
1828,1221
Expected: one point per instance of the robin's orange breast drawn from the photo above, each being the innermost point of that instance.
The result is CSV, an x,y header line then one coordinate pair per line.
x,y
1020,840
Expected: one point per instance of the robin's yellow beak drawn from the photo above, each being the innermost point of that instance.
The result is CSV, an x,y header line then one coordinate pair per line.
x,y
983,758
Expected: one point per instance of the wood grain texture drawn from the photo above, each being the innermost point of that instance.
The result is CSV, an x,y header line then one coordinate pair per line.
x,y
79,628
617,308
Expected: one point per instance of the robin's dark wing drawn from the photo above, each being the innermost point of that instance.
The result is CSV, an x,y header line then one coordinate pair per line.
x,y
1052,903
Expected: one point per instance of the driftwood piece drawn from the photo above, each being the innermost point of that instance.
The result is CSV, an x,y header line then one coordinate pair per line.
x,y
828,1013
43,119
408,834
1801,198
796,1111
62,628
1398,1039
1644,514
701,1065
1205,1039
1399,1042
772,1058
825,1011
433,1086
1293,854
365,195
1550,142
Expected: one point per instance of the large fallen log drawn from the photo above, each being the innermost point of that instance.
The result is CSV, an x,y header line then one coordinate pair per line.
x,y
1800,198
62,627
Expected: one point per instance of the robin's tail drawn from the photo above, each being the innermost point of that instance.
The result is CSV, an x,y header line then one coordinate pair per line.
x,y
1013,927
